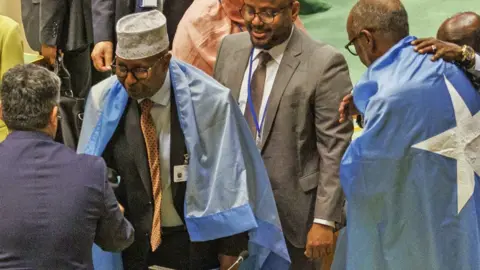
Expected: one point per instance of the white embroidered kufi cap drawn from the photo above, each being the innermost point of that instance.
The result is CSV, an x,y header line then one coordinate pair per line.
x,y
141,35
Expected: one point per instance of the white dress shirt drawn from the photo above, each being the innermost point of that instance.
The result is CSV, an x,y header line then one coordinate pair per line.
x,y
272,68
161,117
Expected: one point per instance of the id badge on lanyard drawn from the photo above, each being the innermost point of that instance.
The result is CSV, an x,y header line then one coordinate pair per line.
x,y
150,3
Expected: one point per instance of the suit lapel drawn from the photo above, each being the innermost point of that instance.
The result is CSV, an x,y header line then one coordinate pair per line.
x,y
240,62
136,142
287,68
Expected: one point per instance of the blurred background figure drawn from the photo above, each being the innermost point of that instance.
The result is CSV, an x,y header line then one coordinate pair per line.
x,y
66,26
308,7
55,203
202,29
11,53
106,13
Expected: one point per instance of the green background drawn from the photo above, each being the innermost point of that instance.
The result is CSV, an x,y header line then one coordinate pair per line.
x,y
425,17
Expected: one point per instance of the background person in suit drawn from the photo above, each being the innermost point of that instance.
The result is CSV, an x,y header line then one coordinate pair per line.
x,y
295,84
55,203
11,53
202,29
65,25
106,14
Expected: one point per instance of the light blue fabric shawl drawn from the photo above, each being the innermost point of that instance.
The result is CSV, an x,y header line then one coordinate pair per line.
x,y
228,190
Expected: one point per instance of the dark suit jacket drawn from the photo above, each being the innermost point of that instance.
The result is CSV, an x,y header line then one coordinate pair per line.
x,y
303,142
63,23
106,14
53,205
126,154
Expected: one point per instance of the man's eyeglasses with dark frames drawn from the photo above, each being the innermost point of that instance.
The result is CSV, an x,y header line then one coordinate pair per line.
x,y
349,45
139,73
248,13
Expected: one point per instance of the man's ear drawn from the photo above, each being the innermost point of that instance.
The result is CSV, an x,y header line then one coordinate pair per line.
x,y
166,62
295,10
54,116
370,41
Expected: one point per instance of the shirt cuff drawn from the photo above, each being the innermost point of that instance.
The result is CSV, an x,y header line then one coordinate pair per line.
x,y
476,67
324,222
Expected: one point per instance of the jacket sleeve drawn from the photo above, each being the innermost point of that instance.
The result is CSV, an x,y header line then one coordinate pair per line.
x,y
52,19
114,233
103,17
333,137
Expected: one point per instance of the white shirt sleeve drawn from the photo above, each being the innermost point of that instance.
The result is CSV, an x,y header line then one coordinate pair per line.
x,y
476,69
324,222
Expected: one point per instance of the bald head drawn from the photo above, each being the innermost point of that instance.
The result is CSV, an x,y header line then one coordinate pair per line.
x,y
387,17
462,29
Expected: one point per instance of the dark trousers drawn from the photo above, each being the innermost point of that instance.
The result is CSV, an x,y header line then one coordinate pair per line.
x,y
82,73
178,252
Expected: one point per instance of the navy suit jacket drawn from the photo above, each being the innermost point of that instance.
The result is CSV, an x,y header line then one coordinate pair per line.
x,y
54,204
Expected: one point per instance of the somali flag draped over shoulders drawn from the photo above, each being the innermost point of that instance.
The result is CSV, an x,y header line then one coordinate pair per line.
x,y
412,178
228,190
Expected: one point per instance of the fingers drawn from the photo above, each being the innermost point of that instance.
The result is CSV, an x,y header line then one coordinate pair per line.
x,y
420,40
97,58
344,108
314,252
439,54
121,208
318,252
425,45
108,56
102,55
308,252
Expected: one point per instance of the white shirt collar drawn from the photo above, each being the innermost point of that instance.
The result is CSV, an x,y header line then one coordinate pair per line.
x,y
277,51
162,97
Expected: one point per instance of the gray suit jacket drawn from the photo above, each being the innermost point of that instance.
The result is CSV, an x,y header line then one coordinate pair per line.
x,y
106,13
303,141
63,23
54,205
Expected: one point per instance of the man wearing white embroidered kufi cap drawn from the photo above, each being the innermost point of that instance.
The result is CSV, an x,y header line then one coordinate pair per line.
x,y
160,124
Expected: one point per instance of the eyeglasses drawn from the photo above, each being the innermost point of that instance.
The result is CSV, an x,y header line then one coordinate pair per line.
x,y
267,16
351,46
139,73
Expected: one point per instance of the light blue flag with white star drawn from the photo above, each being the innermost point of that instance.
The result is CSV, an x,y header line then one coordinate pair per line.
x,y
412,178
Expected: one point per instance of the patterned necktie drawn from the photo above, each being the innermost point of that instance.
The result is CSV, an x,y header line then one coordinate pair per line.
x,y
151,143
257,86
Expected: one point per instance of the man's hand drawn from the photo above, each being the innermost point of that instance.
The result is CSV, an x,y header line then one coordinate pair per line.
x,y
121,208
440,49
347,108
227,261
49,54
102,56
319,241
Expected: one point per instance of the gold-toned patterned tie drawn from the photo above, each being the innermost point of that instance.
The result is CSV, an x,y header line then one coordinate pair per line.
x,y
151,143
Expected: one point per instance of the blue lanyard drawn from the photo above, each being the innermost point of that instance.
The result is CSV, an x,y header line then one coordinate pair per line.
x,y
250,102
